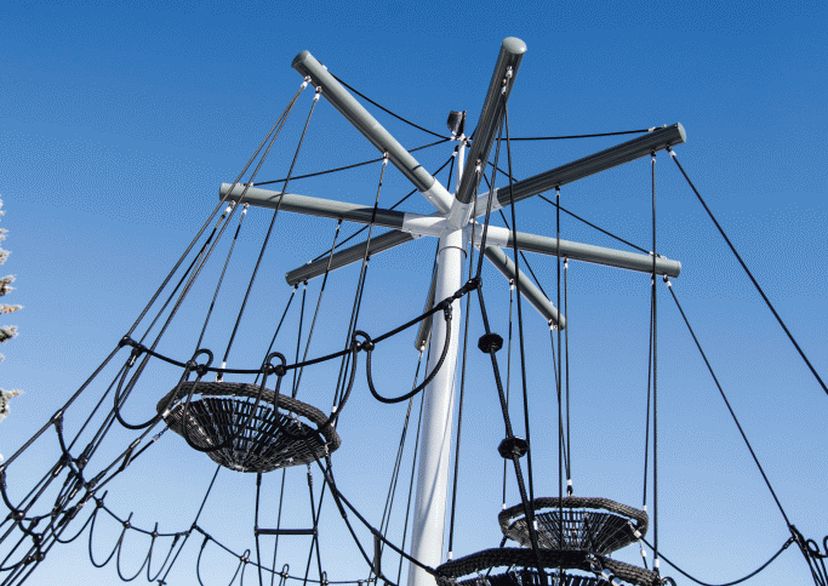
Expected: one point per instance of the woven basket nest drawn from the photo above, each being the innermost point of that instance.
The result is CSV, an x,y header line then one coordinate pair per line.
x,y
589,524
225,420
522,569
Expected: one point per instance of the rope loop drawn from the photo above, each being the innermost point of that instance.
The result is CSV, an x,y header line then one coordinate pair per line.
x,y
200,368
269,367
368,346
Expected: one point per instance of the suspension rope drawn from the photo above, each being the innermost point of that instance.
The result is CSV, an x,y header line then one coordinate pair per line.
x,y
411,482
298,379
730,410
559,367
348,167
490,346
269,232
519,307
748,272
509,336
654,293
220,281
744,578
461,402
268,137
399,202
391,493
389,112
569,485
590,135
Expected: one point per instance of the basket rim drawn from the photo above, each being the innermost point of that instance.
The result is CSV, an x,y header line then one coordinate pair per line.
x,y
487,559
220,389
508,516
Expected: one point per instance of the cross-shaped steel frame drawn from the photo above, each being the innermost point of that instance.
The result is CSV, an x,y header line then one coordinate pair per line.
x,y
452,224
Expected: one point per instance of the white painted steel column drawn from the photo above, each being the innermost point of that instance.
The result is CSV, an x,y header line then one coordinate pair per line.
x,y
429,521
435,438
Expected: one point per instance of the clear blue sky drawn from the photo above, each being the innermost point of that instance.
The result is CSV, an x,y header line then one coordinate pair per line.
x,y
118,123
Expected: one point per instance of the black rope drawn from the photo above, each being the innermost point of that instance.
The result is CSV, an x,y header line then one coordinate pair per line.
x,y
387,111
559,371
411,483
461,402
654,363
391,493
509,336
368,346
274,129
753,280
569,485
269,232
399,202
733,416
297,379
590,135
519,307
223,273
348,167
744,578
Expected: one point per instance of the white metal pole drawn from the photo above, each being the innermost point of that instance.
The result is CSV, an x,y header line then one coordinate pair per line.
x,y
429,520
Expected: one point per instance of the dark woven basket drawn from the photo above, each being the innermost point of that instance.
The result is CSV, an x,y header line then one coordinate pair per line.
x,y
594,525
226,421
521,566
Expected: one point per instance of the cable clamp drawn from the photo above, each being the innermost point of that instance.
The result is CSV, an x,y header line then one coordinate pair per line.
x,y
512,447
490,343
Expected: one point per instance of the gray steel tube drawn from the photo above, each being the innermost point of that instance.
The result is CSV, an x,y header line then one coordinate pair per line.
x,y
596,254
342,100
425,326
510,56
347,256
658,139
314,206
527,288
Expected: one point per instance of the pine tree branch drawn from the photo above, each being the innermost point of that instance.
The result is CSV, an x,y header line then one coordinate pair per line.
x,y
7,333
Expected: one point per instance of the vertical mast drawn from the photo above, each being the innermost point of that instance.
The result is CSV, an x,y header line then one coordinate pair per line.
x,y
438,407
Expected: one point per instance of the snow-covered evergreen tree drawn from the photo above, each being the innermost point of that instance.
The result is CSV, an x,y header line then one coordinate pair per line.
x,y
6,332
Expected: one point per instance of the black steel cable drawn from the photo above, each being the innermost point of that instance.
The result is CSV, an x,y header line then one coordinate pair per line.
x,y
459,435
589,135
519,306
274,129
750,275
269,232
298,379
654,363
390,112
730,410
744,578
393,207
569,484
411,484
347,167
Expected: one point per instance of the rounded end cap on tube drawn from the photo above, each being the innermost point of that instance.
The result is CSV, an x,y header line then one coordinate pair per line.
x,y
513,45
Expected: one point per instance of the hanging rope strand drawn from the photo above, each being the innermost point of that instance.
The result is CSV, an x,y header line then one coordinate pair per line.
x,y
724,397
748,272
399,202
569,485
519,307
269,232
268,137
221,277
298,379
654,363
348,167
390,112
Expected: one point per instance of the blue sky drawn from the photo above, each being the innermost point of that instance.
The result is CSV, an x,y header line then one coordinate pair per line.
x,y
117,123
